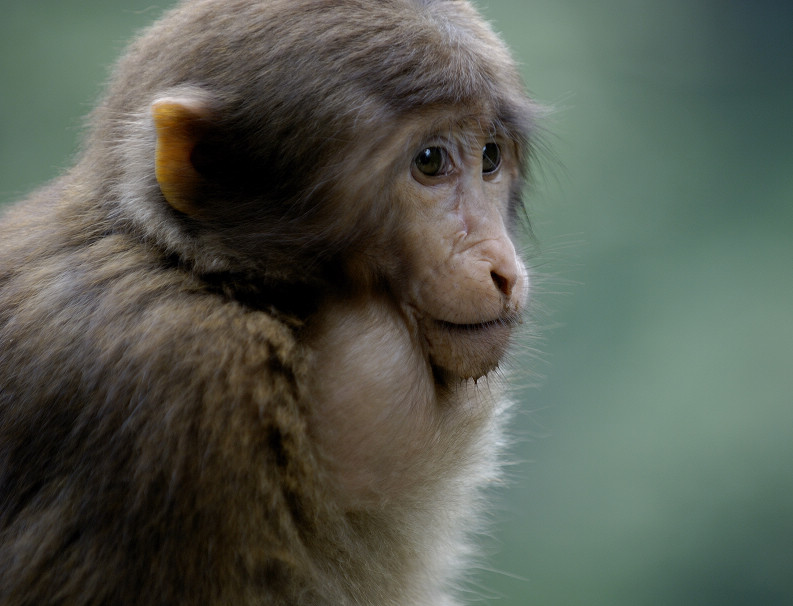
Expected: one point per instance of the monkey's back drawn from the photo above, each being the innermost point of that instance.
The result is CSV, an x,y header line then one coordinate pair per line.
x,y
148,426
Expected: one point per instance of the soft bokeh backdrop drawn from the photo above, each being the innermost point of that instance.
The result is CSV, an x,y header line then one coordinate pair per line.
x,y
654,459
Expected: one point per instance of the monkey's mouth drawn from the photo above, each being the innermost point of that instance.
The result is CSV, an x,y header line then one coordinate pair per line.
x,y
469,350
508,322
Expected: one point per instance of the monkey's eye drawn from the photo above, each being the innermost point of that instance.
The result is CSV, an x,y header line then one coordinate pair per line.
x,y
432,161
491,158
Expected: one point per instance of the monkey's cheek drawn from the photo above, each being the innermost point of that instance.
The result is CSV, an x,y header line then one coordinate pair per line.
x,y
468,352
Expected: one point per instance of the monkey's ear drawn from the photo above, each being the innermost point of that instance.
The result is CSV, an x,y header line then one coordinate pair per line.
x,y
181,124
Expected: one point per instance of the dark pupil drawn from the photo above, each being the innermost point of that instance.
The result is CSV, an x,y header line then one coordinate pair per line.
x,y
491,157
430,161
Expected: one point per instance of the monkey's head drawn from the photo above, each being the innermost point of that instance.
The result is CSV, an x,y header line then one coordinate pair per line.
x,y
382,152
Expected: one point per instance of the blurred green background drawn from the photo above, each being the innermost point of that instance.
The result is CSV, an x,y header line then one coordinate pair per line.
x,y
653,460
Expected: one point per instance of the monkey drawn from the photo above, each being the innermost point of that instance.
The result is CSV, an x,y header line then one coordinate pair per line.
x,y
250,342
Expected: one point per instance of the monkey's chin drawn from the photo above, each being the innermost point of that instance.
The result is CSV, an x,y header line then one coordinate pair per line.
x,y
468,351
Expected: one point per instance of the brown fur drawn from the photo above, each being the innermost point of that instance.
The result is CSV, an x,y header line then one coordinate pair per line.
x,y
237,404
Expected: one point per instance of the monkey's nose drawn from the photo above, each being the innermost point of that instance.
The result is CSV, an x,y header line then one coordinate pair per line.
x,y
503,284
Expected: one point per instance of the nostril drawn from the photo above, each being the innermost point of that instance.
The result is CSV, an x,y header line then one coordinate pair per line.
x,y
503,284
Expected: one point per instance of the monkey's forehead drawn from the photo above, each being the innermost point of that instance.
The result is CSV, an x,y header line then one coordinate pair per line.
x,y
465,123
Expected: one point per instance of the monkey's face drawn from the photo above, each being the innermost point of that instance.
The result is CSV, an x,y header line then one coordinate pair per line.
x,y
468,285
443,223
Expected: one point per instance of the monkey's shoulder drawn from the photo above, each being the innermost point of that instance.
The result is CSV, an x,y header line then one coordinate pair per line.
x,y
77,314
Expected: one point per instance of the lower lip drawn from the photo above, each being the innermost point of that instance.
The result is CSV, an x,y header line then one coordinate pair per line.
x,y
482,326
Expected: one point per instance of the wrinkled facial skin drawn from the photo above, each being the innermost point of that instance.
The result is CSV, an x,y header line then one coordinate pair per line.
x,y
468,286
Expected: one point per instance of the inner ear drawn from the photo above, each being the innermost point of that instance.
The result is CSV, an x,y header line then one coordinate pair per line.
x,y
182,124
